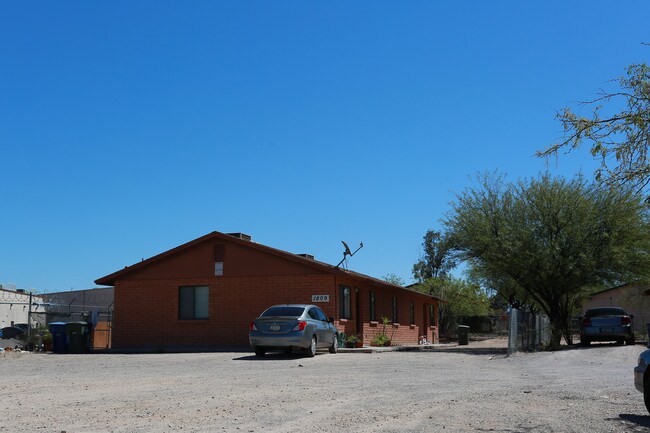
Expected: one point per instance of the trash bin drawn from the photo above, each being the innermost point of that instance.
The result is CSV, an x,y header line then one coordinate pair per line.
x,y
59,337
78,334
463,335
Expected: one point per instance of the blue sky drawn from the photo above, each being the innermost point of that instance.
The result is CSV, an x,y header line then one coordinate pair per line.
x,y
128,128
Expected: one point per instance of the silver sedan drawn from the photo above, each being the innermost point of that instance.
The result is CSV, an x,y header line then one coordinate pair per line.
x,y
293,326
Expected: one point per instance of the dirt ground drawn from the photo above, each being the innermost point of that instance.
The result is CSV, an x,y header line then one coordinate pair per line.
x,y
466,389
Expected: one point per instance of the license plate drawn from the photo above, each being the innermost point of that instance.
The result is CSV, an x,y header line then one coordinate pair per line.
x,y
274,327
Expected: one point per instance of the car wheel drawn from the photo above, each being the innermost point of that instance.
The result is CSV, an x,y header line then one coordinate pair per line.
x,y
585,342
259,351
630,341
335,345
646,392
311,350
287,350
620,342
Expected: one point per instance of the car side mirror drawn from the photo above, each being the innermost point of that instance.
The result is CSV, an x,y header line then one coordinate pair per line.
x,y
331,320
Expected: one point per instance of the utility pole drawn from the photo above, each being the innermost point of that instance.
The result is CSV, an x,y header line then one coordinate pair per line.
x,y
29,316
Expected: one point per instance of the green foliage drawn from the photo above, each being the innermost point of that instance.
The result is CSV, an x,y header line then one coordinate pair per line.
x,y
544,241
352,339
619,137
394,279
464,299
382,339
36,338
44,333
436,260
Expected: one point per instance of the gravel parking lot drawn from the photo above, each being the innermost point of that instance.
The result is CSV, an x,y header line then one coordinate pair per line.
x,y
574,390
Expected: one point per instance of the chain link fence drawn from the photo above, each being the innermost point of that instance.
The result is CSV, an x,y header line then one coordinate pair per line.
x,y
525,331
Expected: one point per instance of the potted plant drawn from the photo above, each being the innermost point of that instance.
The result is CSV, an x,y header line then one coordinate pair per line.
x,y
351,341
381,340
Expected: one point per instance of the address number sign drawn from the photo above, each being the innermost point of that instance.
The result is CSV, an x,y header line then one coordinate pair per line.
x,y
320,298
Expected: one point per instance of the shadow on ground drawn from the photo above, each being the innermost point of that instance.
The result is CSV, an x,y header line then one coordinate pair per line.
x,y
638,420
272,356
468,350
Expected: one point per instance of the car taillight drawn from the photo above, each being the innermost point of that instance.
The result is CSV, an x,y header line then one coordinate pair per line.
x,y
586,321
625,320
300,326
252,327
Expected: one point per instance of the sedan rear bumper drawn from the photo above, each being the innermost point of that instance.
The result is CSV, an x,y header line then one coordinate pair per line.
x,y
292,339
594,333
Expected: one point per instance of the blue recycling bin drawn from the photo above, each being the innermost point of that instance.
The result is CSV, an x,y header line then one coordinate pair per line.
x,y
59,337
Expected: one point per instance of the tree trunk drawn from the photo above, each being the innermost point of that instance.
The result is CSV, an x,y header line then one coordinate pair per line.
x,y
557,321
556,335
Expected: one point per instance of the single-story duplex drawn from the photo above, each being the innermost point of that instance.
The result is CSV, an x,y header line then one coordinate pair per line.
x,y
205,293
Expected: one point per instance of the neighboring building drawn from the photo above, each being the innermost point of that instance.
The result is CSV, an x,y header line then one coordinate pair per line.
x,y
20,306
634,298
206,292
94,306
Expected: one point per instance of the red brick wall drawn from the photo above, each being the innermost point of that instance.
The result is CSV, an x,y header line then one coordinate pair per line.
x,y
147,298
239,260
401,332
146,311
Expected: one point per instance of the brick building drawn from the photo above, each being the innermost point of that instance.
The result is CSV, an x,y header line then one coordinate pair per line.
x,y
204,294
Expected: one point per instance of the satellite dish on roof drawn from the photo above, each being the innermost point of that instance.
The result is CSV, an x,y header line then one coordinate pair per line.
x,y
347,249
347,252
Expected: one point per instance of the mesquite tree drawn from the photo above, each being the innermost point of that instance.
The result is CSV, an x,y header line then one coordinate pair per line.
x,y
551,239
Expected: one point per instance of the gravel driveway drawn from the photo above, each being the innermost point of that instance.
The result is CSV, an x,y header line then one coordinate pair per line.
x,y
574,390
